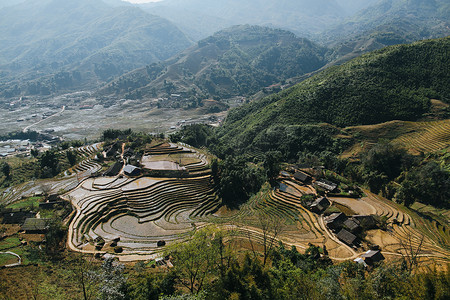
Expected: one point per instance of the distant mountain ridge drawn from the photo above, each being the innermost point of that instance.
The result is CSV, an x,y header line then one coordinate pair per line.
x,y
89,37
237,61
428,18
302,17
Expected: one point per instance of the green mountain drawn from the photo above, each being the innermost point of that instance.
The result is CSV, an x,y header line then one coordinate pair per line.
x,y
350,27
302,17
63,44
236,61
395,83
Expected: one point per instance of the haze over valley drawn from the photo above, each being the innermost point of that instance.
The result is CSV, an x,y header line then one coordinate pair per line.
x,y
239,149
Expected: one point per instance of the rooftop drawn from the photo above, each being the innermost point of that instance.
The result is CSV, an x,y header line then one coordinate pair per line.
x,y
346,236
34,224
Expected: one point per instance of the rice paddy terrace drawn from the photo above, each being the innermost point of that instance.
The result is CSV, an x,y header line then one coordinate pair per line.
x,y
416,137
301,226
137,213
63,182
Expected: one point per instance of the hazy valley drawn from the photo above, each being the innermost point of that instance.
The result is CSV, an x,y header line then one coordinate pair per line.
x,y
193,149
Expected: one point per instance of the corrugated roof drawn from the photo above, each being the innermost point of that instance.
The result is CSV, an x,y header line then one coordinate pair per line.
x,y
351,224
301,176
130,169
33,224
346,236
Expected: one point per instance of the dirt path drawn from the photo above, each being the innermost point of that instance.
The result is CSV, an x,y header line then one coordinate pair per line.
x,y
14,254
41,121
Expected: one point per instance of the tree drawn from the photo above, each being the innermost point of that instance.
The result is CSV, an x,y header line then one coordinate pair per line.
x,y
49,163
54,237
112,281
271,228
272,166
150,285
34,152
197,259
72,157
84,275
385,159
411,251
46,189
238,180
6,169
428,183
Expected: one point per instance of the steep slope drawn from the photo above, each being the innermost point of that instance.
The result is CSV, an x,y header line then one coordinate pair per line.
x,y
236,61
393,83
88,37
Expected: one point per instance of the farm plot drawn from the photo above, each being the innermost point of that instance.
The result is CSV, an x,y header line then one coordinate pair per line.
x,y
136,214
298,226
406,230
426,137
65,181
416,137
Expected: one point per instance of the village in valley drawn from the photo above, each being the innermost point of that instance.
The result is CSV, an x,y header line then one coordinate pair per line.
x,y
129,198
224,150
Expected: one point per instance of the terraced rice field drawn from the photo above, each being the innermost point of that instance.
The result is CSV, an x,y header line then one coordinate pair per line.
x,y
87,166
408,230
426,137
142,211
302,227
416,137
299,226
139,212
66,181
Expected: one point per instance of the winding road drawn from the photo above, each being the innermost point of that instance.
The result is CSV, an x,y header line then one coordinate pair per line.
x,y
14,254
54,115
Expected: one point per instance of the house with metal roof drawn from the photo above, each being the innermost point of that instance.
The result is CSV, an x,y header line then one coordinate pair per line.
x,y
327,185
302,177
352,225
347,237
34,225
335,221
372,256
131,170
319,205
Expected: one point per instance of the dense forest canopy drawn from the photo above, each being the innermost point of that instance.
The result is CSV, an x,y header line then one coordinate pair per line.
x,y
394,83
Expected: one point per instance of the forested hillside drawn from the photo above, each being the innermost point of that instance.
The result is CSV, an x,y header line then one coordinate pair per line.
x,y
54,45
236,61
393,83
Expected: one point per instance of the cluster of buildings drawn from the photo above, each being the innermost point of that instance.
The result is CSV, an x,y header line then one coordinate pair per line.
x,y
26,218
347,229
29,219
15,147
23,147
